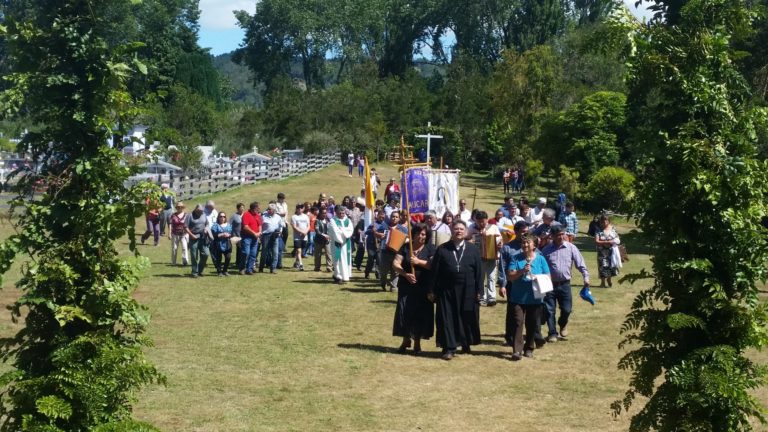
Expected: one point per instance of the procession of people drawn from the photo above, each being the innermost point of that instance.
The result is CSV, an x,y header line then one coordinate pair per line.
x,y
444,268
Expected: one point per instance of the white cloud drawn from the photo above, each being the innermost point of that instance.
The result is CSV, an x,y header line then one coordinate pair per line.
x,y
217,14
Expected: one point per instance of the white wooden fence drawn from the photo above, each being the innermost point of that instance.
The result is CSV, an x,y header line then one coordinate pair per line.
x,y
223,179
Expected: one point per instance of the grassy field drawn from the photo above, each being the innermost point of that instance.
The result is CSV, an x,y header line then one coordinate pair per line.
x,y
293,352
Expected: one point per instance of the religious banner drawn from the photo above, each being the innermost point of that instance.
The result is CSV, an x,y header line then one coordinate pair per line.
x,y
444,192
415,189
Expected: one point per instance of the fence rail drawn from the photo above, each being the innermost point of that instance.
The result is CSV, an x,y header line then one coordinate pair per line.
x,y
225,178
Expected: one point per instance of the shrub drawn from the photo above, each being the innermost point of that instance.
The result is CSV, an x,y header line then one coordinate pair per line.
x,y
318,142
533,170
568,181
611,188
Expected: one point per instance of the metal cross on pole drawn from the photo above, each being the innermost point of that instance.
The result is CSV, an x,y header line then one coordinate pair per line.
x,y
429,137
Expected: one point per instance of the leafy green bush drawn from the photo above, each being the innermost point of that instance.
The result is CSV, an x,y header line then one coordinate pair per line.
x,y
588,135
78,361
568,181
318,142
611,188
701,193
534,168
6,145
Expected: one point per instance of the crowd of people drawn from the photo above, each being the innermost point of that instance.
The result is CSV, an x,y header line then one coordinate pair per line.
x,y
444,269
513,179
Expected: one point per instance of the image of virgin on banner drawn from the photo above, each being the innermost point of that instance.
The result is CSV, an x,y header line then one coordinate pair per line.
x,y
417,191
444,192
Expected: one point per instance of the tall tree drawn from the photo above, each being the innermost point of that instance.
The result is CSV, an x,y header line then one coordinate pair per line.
x,y
701,199
78,360
283,30
520,95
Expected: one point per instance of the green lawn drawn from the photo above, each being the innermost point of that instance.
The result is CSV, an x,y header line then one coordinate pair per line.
x,y
293,352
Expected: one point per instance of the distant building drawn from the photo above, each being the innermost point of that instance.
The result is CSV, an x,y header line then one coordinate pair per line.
x,y
157,171
254,157
295,154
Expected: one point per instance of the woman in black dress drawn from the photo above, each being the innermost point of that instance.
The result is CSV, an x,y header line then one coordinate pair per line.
x,y
415,313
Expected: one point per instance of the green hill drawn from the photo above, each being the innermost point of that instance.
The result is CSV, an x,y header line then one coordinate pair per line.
x,y
240,79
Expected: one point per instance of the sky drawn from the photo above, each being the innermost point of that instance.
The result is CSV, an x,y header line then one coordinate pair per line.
x,y
220,33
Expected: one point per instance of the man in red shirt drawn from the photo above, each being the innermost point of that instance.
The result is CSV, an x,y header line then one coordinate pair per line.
x,y
250,231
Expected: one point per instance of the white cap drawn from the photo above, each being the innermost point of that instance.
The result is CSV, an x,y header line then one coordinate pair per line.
x,y
542,200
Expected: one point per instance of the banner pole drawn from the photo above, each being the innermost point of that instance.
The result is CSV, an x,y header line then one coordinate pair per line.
x,y
405,203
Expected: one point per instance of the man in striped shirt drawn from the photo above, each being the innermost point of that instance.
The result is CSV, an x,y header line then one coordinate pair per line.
x,y
561,255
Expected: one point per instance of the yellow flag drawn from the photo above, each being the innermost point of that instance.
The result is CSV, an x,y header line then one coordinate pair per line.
x,y
369,202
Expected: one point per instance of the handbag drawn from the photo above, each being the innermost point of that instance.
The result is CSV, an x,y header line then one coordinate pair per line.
x,y
623,253
542,284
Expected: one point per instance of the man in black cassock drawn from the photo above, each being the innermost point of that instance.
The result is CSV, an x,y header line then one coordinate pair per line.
x,y
458,286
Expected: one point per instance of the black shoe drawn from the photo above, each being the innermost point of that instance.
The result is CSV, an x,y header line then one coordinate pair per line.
x,y
540,343
402,349
528,353
448,355
517,356
466,350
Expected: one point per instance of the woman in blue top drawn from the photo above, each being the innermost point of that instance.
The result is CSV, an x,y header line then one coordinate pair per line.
x,y
221,247
526,309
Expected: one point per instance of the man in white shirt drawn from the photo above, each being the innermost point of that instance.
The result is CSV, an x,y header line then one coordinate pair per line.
x,y
505,224
464,213
300,224
390,207
211,213
441,232
282,210
475,234
538,212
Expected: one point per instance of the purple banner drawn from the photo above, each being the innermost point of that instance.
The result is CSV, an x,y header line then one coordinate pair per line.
x,y
417,196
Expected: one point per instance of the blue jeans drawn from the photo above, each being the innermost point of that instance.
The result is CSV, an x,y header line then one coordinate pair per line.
x,y
198,249
502,273
310,245
280,250
271,251
560,295
249,248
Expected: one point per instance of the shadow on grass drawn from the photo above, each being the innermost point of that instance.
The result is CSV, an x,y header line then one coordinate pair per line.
x,y
384,301
179,275
427,354
497,354
318,281
494,342
635,243
363,290
367,347
392,350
